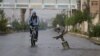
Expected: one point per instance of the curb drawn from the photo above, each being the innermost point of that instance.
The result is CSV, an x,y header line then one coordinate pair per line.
x,y
93,39
81,35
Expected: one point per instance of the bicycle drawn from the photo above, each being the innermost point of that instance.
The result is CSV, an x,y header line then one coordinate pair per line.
x,y
33,40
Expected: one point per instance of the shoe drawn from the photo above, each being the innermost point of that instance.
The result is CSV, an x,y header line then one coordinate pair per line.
x,y
32,46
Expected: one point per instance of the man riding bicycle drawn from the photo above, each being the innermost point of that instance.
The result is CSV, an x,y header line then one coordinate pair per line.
x,y
34,22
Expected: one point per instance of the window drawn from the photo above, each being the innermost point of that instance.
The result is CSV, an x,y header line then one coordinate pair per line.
x,y
73,6
94,3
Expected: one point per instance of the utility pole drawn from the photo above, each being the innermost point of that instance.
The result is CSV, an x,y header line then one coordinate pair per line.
x,y
88,6
56,2
88,14
15,1
79,4
29,8
42,1
13,16
29,1
70,7
99,11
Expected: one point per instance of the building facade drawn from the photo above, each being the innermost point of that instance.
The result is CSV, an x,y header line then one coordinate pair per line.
x,y
94,10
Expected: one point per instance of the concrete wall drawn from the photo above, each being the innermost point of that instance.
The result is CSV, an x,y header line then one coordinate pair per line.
x,y
96,19
82,4
93,9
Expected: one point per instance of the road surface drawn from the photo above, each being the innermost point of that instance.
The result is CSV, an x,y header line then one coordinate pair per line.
x,y
18,44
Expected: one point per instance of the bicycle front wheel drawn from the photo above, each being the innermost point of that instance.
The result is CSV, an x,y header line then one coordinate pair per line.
x,y
32,41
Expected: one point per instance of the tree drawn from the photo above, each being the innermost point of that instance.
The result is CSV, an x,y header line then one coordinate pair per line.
x,y
87,9
20,26
1,0
42,25
59,19
78,17
95,31
71,21
3,22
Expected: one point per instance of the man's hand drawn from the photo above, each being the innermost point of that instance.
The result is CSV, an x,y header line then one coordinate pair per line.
x,y
57,37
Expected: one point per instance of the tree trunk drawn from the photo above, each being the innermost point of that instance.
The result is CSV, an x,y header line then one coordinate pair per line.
x,y
23,15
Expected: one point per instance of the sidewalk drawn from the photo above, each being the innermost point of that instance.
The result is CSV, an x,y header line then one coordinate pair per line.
x,y
93,39
77,34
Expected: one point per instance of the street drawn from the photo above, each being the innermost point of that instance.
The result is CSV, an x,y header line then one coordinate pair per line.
x,y
18,44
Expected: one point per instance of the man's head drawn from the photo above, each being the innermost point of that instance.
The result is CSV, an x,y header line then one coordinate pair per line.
x,y
33,13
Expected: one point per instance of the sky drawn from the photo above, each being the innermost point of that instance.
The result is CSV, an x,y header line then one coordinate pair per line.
x,y
43,14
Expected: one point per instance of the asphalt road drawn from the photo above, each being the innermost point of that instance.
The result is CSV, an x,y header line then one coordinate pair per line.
x,y
18,44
